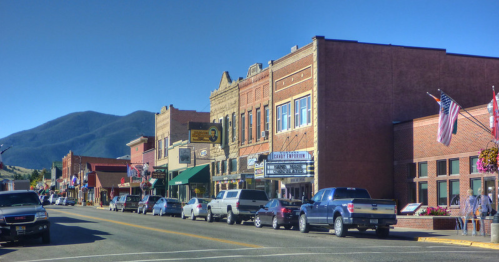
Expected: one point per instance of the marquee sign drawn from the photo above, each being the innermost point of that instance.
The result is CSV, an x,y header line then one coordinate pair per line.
x,y
293,155
284,169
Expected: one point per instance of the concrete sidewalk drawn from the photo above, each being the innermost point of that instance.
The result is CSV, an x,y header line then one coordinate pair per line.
x,y
444,236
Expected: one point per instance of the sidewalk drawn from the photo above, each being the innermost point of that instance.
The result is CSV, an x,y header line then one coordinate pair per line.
x,y
444,237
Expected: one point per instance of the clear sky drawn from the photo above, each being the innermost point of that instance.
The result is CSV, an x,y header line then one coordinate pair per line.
x,y
117,57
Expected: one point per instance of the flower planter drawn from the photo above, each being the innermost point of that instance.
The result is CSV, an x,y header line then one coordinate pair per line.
x,y
436,222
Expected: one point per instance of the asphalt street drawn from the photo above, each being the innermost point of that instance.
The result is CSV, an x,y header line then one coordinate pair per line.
x,y
90,234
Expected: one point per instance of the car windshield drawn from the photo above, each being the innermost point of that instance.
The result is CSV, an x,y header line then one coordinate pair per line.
x,y
203,201
154,198
18,199
290,203
133,198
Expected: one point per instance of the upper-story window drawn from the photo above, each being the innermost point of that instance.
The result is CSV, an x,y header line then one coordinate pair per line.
x,y
454,166
226,128
267,118
283,117
160,148
423,169
250,127
441,167
243,129
302,111
258,124
166,146
233,127
473,168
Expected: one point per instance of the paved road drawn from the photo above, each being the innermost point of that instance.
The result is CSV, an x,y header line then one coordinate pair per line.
x,y
89,234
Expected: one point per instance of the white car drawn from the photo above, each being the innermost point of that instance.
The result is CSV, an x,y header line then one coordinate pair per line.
x,y
59,200
196,207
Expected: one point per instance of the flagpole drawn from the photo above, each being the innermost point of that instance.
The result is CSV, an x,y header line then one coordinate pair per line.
x,y
484,127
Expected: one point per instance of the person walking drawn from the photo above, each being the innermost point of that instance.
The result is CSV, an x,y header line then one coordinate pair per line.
x,y
469,212
484,207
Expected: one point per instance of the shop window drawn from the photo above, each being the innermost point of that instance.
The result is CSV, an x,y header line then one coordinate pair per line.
x,y
454,166
423,193
473,168
411,170
476,185
454,193
423,169
302,111
442,193
441,167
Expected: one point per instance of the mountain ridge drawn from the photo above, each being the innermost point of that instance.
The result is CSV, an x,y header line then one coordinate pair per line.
x,y
87,133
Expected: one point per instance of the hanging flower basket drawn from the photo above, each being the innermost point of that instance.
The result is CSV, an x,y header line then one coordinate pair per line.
x,y
145,185
487,160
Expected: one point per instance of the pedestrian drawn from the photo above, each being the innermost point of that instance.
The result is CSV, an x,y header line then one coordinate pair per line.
x,y
469,212
484,207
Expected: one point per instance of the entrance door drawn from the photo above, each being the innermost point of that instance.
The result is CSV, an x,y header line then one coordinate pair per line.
x,y
490,188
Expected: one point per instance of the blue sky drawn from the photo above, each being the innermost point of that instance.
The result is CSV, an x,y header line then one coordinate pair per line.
x,y
117,57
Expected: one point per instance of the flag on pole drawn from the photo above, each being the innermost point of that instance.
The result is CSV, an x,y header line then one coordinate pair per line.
x,y
112,192
434,97
128,171
449,111
495,114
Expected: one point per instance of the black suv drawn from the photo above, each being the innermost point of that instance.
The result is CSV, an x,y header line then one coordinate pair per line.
x,y
127,203
23,216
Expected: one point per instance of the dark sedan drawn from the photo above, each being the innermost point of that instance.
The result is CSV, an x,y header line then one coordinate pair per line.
x,y
279,212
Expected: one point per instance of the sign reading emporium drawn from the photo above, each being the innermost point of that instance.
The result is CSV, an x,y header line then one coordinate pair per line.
x,y
294,155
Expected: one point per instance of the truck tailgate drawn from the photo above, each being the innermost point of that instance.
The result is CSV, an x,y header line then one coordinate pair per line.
x,y
374,206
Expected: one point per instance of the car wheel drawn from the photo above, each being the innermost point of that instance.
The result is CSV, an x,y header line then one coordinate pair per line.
x,y
144,210
153,212
258,222
182,215
138,210
110,209
304,227
161,212
230,217
193,217
382,232
122,209
205,219
209,217
275,223
288,227
339,228
46,237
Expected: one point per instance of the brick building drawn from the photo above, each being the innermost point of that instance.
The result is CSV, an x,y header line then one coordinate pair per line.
x,y
224,108
430,173
172,125
254,123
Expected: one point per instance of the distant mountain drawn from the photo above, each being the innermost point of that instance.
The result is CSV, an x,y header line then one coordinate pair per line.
x,y
85,133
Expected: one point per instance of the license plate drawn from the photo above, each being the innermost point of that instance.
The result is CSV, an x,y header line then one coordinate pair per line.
x,y
297,213
20,229
374,221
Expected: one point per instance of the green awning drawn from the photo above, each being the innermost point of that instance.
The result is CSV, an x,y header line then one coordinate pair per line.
x,y
198,174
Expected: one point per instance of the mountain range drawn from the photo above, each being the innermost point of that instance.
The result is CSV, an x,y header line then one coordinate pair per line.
x,y
85,133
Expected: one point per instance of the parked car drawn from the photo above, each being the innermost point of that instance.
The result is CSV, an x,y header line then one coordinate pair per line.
x,y
127,203
196,207
167,206
112,204
23,216
53,198
59,200
146,204
68,201
279,212
343,208
237,205
45,200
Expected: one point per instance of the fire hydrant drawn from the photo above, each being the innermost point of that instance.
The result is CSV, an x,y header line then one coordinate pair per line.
x,y
101,203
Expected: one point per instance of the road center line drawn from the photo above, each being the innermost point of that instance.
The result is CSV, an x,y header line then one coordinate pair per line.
x,y
164,231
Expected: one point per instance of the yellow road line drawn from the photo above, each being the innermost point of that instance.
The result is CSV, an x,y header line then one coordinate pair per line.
x,y
162,230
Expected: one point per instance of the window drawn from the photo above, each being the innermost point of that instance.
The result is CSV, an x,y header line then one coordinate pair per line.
x,y
233,127
224,166
326,195
160,148
250,127
318,196
441,167
476,184
411,197
302,111
454,192
226,131
411,170
423,193
217,167
473,168
283,117
233,165
442,193
243,129
166,146
423,169
454,166
258,124
267,118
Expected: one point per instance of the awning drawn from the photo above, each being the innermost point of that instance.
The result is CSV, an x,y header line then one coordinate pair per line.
x,y
198,174
153,181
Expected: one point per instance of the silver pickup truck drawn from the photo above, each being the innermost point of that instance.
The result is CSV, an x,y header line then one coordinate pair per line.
x,y
236,205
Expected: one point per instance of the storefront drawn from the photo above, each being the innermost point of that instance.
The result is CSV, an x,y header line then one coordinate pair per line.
x,y
191,182
234,181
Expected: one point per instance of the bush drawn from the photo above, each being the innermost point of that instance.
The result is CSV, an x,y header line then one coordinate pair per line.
x,y
432,211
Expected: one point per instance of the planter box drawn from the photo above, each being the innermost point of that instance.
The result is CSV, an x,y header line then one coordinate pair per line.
x,y
437,222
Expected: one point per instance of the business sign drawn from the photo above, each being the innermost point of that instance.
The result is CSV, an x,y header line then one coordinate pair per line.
x,y
284,169
205,132
158,174
203,153
260,170
286,156
251,160
184,155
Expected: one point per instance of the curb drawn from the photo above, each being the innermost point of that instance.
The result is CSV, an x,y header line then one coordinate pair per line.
x,y
458,242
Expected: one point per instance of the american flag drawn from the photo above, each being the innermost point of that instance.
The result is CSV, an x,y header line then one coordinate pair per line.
x,y
495,113
448,115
